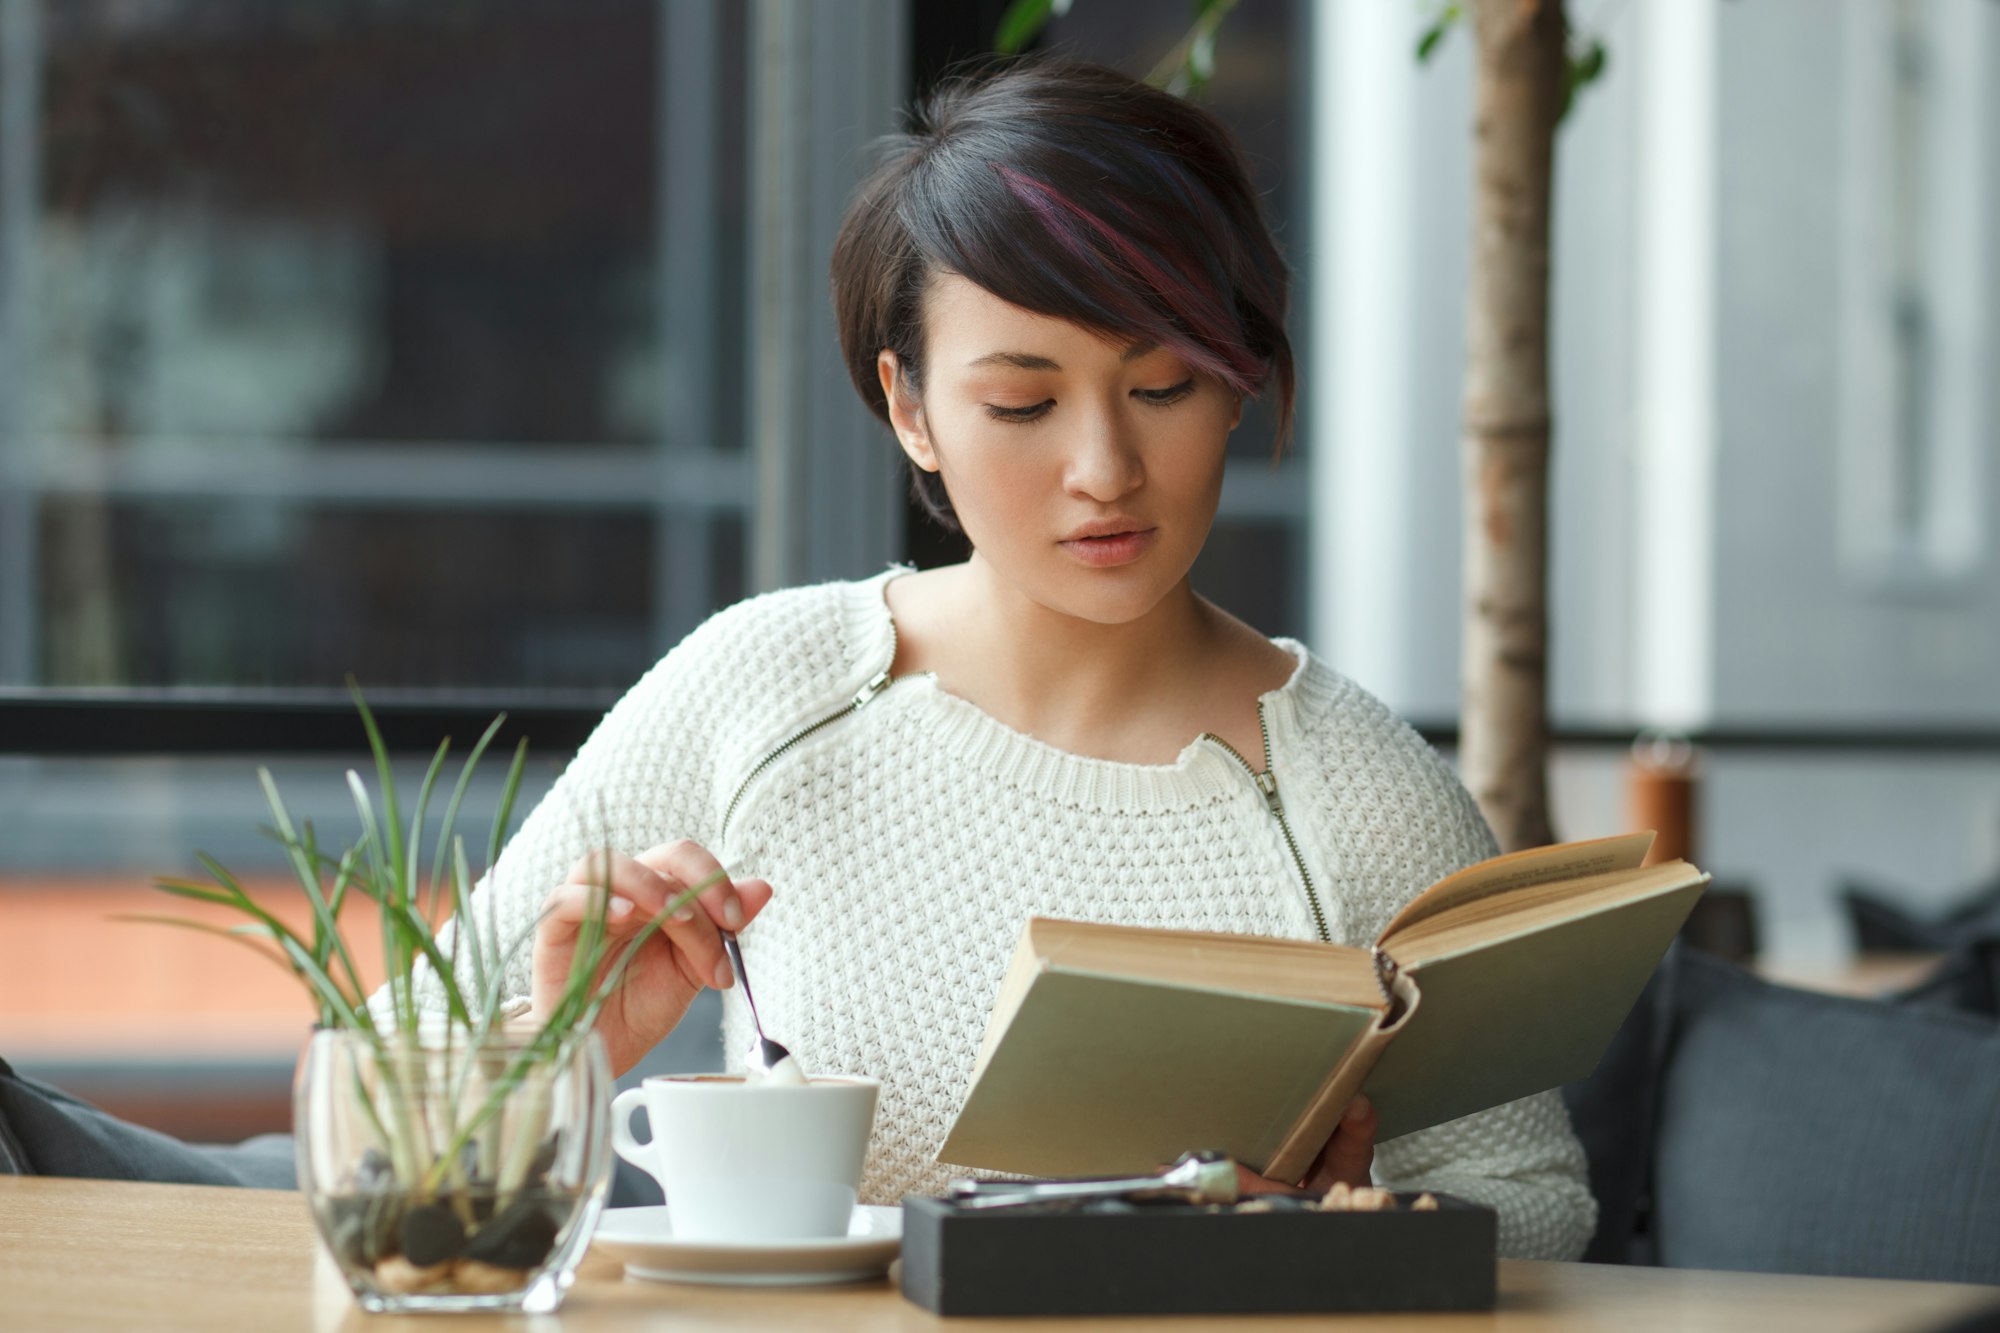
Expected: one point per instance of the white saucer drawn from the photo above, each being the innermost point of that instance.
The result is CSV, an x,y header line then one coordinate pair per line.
x,y
639,1238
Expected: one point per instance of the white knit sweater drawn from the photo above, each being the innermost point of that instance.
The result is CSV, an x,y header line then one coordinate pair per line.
x,y
908,840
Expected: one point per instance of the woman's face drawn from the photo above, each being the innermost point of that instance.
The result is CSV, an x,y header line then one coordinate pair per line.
x,y
1085,472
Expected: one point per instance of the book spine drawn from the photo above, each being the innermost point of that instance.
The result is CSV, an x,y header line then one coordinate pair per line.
x,y
1315,1125
1387,970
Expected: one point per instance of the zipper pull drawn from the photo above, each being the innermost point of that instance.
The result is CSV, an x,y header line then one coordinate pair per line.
x,y
876,684
1267,782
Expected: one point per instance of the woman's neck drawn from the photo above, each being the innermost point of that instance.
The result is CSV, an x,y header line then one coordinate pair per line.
x,y
1136,691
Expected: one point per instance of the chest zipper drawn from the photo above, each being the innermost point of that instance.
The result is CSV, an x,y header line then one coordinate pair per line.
x,y
1267,786
877,683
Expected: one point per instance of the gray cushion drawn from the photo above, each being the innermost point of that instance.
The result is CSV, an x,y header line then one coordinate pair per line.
x,y
1808,1133
47,1132
1613,1112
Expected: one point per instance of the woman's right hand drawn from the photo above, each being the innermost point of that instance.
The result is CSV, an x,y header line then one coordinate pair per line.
x,y
676,961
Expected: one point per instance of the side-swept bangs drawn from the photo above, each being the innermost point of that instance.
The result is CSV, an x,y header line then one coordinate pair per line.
x,y
1075,192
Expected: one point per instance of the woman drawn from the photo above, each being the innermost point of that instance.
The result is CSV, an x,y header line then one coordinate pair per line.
x,y
1057,291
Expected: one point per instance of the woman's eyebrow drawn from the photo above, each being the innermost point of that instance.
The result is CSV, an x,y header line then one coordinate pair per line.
x,y
1022,360
1033,361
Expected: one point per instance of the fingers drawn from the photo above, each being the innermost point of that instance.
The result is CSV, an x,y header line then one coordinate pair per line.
x,y
1249,1183
687,864
696,927
1350,1153
628,878
645,886
755,895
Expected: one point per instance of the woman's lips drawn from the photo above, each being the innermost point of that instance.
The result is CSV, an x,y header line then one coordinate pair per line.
x,y
1119,548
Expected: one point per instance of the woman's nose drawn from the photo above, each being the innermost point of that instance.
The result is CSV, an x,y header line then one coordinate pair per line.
x,y
1104,463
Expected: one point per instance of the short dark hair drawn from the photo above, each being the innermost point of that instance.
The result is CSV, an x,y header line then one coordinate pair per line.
x,y
1074,191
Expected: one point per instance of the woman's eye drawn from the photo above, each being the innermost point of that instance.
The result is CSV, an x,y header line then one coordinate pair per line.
x,y
1032,412
1172,394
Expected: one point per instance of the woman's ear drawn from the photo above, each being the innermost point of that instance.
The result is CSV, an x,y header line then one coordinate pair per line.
x,y
906,414
1236,417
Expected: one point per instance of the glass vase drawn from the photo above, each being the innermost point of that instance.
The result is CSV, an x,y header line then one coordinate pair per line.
x,y
448,1175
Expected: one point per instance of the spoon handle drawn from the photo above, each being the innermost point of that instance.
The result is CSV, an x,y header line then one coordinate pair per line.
x,y
735,952
764,1053
1049,1191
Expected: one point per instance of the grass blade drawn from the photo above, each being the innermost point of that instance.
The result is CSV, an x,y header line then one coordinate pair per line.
x,y
392,815
417,823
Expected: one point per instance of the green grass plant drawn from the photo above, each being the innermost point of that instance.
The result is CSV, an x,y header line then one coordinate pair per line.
x,y
430,934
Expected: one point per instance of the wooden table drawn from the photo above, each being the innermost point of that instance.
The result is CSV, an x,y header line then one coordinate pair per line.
x,y
86,1254
1869,976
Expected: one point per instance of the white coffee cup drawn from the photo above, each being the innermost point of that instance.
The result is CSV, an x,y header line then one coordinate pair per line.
x,y
751,1161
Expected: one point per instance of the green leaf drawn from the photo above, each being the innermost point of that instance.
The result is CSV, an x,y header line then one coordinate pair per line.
x,y
392,815
505,814
415,933
1201,59
220,932
467,924
417,822
181,888
458,793
1585,65
1434,35
381,886
1020,24
352,1012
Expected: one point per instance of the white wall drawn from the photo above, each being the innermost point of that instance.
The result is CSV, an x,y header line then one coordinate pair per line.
x,y
1792,637
1801,635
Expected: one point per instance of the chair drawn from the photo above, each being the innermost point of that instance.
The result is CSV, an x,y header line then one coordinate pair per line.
x,y
1744,1125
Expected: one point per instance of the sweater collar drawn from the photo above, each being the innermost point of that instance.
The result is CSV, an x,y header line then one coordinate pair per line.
x,y
1202,773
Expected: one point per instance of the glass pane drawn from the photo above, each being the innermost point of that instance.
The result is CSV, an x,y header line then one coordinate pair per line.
x,y
406,221
337,337
190,592
1254,569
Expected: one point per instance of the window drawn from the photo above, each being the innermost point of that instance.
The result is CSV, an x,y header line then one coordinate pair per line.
x,y
478,349
345,338
334,337
1916,231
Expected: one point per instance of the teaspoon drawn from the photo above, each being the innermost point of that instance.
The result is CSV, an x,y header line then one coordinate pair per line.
x,y
764,1054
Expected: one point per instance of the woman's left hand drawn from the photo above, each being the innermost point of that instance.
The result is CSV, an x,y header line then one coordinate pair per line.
x,y
1346,1158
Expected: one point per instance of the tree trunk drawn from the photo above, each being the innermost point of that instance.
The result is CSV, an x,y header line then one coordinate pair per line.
x,y
1519,83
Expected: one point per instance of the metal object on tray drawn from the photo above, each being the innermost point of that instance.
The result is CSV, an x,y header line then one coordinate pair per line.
x,y
1198,1177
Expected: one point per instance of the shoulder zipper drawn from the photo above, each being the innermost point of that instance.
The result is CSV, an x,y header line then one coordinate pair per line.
x,y
877,683
1267,787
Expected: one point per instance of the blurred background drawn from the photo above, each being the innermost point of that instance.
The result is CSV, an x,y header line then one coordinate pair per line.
x,y
480,349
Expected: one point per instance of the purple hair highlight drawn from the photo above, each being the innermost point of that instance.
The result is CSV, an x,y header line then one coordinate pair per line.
x,y
1195,307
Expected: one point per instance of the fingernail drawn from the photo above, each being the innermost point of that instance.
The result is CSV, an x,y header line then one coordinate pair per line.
x,y
724,978
619,909
1357,1110
732,913
686,913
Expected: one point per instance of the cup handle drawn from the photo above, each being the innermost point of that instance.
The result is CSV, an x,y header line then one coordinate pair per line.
x,y
622,1141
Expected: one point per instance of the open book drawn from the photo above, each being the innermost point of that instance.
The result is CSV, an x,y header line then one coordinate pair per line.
x,y
1114,1049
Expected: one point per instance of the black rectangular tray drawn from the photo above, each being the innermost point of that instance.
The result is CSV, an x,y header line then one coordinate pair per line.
x,y
1177,1258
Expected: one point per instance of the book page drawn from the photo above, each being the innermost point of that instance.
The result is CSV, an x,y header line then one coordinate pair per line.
x,y
1536,865
1502,1021
1102,1075
1480,924
1238,964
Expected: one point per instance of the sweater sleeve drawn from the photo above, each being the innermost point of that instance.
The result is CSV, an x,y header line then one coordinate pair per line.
x,y
650,773
1395,819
